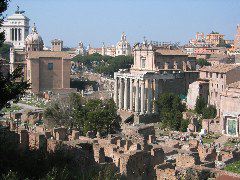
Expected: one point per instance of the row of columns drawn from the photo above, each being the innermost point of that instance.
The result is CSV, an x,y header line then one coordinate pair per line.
x,y
133,95
16,34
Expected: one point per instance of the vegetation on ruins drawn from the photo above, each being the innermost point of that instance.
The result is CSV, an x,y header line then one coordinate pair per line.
x,y
91,115
233,167
106,65
207,111
13,85
170,111
33,164
203,62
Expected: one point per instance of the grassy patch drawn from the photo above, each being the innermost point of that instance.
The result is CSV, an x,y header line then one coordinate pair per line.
x,y
13,108
234,167
208,140
32,100
229,143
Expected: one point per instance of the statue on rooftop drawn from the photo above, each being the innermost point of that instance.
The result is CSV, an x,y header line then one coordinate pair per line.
x,y
18,11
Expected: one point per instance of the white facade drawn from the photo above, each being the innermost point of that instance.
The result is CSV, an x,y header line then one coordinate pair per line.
x,y
16,29
123,47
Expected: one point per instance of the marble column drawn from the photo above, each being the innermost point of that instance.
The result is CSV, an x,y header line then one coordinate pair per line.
x,y
120,106
11,34
156,95
13,30
15,34
126,88
142,96
137,96
149,108
131,95
116,91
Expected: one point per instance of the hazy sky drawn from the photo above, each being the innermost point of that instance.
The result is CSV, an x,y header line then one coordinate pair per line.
x,y
97,21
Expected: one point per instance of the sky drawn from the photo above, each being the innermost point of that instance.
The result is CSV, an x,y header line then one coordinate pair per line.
x,y
97,21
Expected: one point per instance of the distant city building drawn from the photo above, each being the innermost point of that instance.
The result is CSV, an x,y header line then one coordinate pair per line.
x,y
80,49
57,45
214,38
123,47
16,28
108,51
198,40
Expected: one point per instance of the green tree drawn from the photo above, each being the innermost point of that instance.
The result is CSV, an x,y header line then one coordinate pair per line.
x,y
12,85
209,112
101,116
63,111
96,115
5,52
170,110
104,64
200,105
203,62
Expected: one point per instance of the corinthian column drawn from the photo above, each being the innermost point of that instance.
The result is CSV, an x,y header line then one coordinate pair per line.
x,y
156,94
126,88
149,109
120,106
131,95
116,91
142,96
137,97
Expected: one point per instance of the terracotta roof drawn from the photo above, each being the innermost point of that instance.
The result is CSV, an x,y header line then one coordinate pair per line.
x,y
47,54
235,85
218,57
221,68
169,52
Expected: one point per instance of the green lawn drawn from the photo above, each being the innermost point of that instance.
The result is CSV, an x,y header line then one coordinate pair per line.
x,y
208,140
234,167
229,143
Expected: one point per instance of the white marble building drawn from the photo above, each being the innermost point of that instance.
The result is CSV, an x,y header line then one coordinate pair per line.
x,y
16,28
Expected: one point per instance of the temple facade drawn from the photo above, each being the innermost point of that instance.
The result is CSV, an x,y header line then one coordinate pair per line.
x,y
155,70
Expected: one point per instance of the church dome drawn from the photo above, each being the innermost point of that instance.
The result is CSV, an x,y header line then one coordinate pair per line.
x,y
34,37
